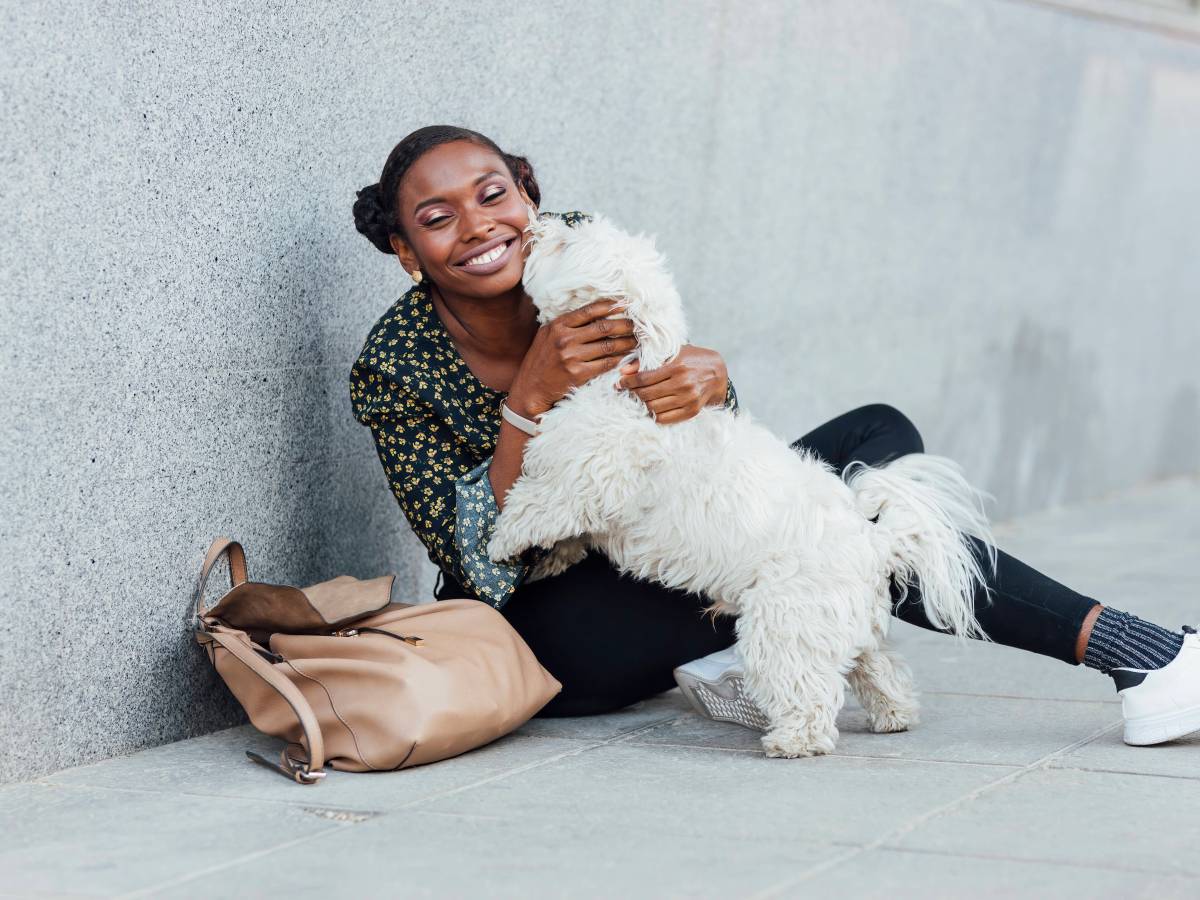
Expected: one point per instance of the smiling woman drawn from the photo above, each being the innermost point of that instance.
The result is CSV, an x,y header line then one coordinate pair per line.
x,y
430,381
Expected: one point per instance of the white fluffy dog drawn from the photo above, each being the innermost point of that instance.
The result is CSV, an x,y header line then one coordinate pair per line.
x,y
720,506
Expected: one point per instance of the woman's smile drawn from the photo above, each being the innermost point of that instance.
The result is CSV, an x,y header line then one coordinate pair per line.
x,y
487,258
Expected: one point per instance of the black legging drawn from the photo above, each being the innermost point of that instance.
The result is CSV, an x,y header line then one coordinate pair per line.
x,y
613,640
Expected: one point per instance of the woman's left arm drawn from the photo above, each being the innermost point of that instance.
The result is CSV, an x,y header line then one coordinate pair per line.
x,y
695,378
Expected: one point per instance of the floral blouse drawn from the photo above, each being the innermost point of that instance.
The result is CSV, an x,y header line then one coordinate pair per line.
x,y
435,427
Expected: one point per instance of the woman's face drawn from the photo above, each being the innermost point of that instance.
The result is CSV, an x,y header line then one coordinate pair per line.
x,y
463,219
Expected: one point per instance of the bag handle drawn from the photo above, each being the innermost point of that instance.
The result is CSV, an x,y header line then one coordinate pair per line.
x,y
237,570
309,772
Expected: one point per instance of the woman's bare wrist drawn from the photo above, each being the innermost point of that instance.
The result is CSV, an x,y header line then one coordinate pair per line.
x,y
524,405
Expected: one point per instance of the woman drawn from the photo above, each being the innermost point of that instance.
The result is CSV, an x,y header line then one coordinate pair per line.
x,y
452,206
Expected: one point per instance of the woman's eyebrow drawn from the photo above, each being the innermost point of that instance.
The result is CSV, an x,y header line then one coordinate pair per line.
x,y
432,200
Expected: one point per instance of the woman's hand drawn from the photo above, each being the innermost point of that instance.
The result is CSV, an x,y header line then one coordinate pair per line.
x,y
568,352
678,390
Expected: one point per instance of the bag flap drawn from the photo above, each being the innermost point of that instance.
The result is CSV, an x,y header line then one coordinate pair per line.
x,y
258,606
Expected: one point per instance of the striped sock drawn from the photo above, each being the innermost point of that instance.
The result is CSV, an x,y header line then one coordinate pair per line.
x,y
1123,641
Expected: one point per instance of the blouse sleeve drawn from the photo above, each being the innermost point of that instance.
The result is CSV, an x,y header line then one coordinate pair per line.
x,y
476,514
448,501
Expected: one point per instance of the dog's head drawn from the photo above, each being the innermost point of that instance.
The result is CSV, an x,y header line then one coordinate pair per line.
x,y
571,266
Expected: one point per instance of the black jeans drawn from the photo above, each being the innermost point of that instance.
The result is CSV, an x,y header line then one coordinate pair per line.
x,y
613,640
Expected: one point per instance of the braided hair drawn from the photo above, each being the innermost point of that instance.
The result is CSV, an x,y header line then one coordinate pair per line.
x,y
375,213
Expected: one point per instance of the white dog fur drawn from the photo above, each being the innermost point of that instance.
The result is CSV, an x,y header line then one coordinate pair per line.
x,y
720,506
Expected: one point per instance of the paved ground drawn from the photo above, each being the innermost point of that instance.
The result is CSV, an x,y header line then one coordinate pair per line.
x,y
1016,783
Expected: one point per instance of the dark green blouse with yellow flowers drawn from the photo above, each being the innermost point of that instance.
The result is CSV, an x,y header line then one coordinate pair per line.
x,y
435,427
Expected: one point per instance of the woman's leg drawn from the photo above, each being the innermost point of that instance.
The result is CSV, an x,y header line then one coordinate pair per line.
x,y
611,640
1027,609
872,434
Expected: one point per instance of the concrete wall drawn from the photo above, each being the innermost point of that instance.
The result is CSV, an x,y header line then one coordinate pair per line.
x,y
985,213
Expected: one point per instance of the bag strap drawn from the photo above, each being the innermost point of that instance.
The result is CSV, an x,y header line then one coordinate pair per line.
x,y
309,772
237,570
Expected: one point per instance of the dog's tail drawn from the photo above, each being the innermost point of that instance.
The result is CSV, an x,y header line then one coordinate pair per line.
x,y
935,528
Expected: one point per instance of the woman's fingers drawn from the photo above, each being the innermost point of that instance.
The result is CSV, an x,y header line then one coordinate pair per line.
x,y
597,309
661,405
609,346
669,410
638,380
593,320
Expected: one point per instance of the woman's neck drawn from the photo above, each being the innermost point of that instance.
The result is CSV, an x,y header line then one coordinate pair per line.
x,y
494,330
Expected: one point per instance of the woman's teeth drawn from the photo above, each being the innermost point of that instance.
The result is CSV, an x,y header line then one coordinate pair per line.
x,y
491,256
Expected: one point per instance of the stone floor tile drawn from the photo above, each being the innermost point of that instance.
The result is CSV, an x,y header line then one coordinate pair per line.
x,y
943,664
689,792
1072,816
662,708
570,853
901,875
78,840
1178,759
216,765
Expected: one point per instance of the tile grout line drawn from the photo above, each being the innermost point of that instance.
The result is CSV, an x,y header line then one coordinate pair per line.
x,y
854,756
199,795
1130,774
258,854
591,743
1035,861
539,763
912,824
1017,697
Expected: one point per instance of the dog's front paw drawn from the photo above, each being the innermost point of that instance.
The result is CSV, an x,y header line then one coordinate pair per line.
x,y
790,742
502,547
564,555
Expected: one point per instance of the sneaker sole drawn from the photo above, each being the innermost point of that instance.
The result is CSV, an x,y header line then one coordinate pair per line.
x,y
724,699
1150,730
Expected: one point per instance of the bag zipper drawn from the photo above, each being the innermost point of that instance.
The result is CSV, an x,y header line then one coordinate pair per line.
x,y
407,638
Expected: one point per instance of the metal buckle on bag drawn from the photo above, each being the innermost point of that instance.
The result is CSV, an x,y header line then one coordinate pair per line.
x,y
288,767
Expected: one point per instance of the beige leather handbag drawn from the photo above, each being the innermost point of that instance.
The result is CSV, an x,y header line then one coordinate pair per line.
x,y
348,677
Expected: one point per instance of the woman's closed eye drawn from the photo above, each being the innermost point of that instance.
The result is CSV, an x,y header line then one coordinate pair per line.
x,y
489,197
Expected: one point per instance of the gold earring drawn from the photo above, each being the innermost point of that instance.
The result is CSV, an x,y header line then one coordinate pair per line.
x,y
417,276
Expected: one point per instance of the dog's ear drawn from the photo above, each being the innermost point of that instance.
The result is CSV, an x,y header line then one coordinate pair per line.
x,y
545,235
653,303
569,266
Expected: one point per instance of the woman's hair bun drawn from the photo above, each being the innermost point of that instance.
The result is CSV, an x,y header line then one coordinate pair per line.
x,y
522,172
371,219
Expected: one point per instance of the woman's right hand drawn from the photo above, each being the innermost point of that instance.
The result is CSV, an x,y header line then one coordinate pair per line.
x,y
568,352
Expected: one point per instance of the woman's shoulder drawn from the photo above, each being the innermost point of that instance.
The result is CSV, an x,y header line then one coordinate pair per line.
x,y
395,334
397,339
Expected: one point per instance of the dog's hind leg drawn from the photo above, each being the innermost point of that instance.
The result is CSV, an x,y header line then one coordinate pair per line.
x,y
795,656
884,686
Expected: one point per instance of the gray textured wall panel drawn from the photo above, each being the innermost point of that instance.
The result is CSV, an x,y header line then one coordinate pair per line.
x,y
985,213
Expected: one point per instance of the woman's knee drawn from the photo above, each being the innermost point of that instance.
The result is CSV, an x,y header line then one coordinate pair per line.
x,y
886,416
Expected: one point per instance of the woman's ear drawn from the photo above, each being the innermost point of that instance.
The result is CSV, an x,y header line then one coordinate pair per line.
x,y
525,196
404,253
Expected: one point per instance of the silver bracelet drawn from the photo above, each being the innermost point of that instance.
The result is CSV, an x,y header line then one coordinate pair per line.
x,y
526,425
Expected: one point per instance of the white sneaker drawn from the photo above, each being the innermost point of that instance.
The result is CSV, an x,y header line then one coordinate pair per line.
x,y
714,686
1161,705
